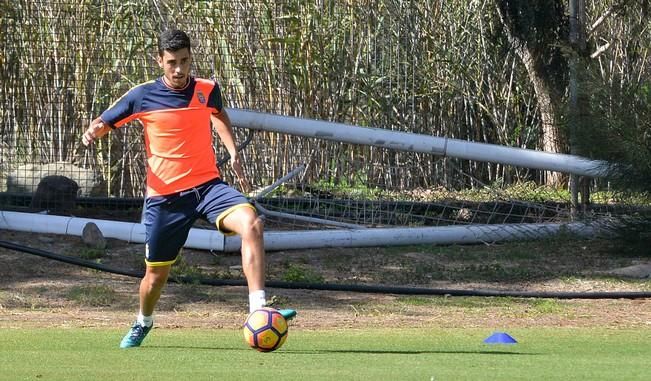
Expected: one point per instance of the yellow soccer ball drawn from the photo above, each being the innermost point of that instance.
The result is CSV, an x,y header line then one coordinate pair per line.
x,y
265,329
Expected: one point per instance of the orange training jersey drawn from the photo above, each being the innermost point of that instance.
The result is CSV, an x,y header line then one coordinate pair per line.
x,y
177,129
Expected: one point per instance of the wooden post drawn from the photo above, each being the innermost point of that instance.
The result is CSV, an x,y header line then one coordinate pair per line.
x,y
578,42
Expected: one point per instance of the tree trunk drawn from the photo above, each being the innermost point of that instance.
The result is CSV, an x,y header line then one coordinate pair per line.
x,y
550,139
533,47
577,101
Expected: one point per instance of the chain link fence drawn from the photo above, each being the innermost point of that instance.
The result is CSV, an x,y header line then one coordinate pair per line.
x,y
64,62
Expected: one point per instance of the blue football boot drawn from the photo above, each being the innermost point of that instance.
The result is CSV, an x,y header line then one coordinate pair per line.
x,y
135,336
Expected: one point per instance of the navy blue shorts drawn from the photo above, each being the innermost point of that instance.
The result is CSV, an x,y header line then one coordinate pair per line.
x,y
168,218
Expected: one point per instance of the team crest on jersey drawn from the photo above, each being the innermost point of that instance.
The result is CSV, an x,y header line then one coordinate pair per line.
x,y
201,97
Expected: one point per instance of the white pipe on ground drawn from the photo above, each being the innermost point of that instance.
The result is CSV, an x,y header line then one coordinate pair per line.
x,y
405,141
439,235
205,239
126,231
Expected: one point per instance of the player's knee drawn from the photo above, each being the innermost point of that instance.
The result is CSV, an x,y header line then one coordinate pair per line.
x,y
258,225
255,226
244,222
155,280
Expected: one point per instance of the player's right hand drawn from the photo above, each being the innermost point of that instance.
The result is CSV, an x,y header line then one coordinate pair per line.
x,y
236,165
94,131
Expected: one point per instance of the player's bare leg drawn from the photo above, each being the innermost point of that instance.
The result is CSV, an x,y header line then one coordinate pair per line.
x,y
151,287
246,222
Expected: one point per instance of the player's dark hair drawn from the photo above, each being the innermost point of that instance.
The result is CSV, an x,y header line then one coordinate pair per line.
x,y
173,40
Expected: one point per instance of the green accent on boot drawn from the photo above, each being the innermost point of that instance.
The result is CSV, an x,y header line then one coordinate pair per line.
x,y
288,314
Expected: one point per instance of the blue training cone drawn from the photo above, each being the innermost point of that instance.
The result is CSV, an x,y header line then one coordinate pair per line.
x,y
500,338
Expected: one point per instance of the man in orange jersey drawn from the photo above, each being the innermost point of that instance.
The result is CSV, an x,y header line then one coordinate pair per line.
x,y
183,180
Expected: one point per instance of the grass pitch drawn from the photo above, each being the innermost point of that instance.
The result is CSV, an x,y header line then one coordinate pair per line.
x,y
377,354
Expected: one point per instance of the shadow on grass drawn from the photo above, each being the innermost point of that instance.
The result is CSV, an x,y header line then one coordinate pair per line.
x,y
356,351
415,352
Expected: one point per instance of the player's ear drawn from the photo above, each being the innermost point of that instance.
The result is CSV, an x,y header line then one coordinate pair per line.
x,y
159,59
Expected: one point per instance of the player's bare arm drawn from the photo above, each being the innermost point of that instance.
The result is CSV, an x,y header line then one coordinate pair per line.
x,y
96,130
222,124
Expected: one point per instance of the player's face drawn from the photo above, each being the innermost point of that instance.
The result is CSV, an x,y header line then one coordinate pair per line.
x,y
176,67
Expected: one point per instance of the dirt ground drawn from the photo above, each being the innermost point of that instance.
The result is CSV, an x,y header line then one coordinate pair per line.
x,y
40,292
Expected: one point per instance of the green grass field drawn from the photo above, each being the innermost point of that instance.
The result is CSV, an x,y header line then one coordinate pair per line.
x,y
389,354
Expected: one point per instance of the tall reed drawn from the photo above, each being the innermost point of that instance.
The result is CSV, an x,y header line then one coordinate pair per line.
x,y
430,67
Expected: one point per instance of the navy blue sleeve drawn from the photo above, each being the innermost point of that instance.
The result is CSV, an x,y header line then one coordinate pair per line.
x,y
120,111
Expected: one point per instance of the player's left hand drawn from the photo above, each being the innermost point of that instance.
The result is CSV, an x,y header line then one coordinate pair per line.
x,y
236,164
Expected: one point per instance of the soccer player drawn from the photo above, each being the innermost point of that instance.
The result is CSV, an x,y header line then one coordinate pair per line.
x,y
183,180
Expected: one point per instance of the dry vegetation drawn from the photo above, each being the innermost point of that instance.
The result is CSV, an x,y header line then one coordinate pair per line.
x,y
40,292
450,73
